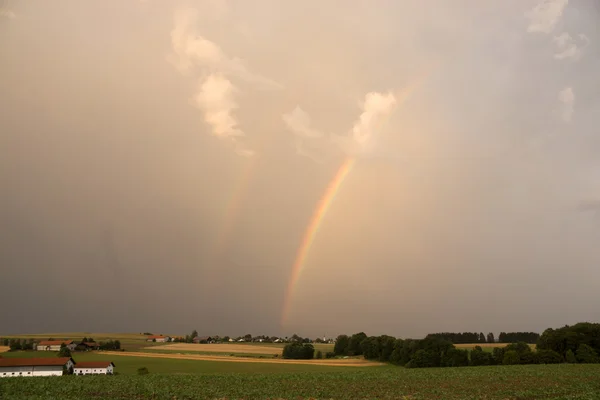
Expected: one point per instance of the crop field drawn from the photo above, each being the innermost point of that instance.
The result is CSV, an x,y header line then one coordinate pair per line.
x,y
221,348
563,381
488,347
4,348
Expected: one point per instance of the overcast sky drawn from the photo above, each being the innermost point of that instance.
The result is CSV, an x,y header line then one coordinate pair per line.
x,y
161,160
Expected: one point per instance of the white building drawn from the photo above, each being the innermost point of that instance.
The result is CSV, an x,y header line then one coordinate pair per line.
x,y
94,368
13,367
158,338
54,345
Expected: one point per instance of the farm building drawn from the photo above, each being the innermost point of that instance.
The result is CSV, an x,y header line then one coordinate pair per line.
x,y
86,346
158,338
203,339
94,368
12,367
54,345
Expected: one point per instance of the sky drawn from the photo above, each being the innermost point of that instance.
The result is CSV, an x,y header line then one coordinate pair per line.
x,y
161,164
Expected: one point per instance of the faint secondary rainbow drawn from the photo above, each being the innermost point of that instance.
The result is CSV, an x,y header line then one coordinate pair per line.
x,y
312,229
232,209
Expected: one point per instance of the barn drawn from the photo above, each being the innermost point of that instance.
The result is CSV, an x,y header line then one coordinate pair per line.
x,y
94,368
158,338
13,367
54,345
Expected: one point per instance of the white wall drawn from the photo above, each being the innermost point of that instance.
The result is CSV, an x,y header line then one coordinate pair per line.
x,y
48,348
7,372
88,371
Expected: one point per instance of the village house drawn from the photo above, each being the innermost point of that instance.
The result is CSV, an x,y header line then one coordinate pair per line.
x,y
203,339
87,346
54,345
13,367
94,368
158,338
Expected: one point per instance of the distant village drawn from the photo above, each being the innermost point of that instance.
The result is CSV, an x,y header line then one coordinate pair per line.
x,y
64,364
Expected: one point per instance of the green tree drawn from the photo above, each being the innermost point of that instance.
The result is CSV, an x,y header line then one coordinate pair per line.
x,y
549,357
354,344
455,358
511,357
318,355
482,338
64,351
298,351
341,345
586,354
490,338
194,334
423,359
570,357
480,357
370,348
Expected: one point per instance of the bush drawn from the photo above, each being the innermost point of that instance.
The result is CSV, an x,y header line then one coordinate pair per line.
x,y
549,357
330,354
586,354
64,351
423,359
511,357
143,371
319,355
455,358
298,351
480,357
570,357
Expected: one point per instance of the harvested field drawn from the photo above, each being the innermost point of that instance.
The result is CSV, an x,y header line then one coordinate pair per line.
x,y
484,345
4,348
346,362
219,348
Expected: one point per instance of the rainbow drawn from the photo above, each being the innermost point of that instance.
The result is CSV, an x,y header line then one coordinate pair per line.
x,y
327,199
312,229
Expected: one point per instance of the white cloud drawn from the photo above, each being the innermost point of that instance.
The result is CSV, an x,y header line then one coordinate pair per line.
x,y
194,54
545,15
567,99
568,48
360,140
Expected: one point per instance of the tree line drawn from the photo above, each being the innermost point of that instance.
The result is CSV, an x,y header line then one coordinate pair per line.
x,y
579,343
474,337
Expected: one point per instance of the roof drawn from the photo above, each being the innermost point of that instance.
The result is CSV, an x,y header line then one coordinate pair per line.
x,y
90,344
202,338
54,342
157,337
35,362
94,364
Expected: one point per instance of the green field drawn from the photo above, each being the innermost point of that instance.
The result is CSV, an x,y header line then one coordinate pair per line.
x,y
499,382
129,365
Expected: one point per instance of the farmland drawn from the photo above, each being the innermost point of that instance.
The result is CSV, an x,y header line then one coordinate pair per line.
x,y
497,382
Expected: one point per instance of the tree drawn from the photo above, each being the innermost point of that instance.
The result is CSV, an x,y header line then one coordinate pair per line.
x,y
482,338
586,354
455,358
354,344
549,357
423,359
511,357
490,338
341,345
480,357
319,355
298,351
570,357
5,342
370,348
194,334
64,351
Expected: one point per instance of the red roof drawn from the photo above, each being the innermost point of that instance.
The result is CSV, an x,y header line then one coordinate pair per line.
x,y
94,364
35,362
54,342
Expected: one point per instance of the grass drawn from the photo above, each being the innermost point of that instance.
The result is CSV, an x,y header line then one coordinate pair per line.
x,y
498,382
129,365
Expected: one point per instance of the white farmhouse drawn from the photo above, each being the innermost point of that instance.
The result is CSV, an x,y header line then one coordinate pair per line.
x,y
13,367
158,338
54,345
94,368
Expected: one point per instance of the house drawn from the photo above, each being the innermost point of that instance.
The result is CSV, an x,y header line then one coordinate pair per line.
x,y
158,338
12,367
94,368
54,345
202,339
87,346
